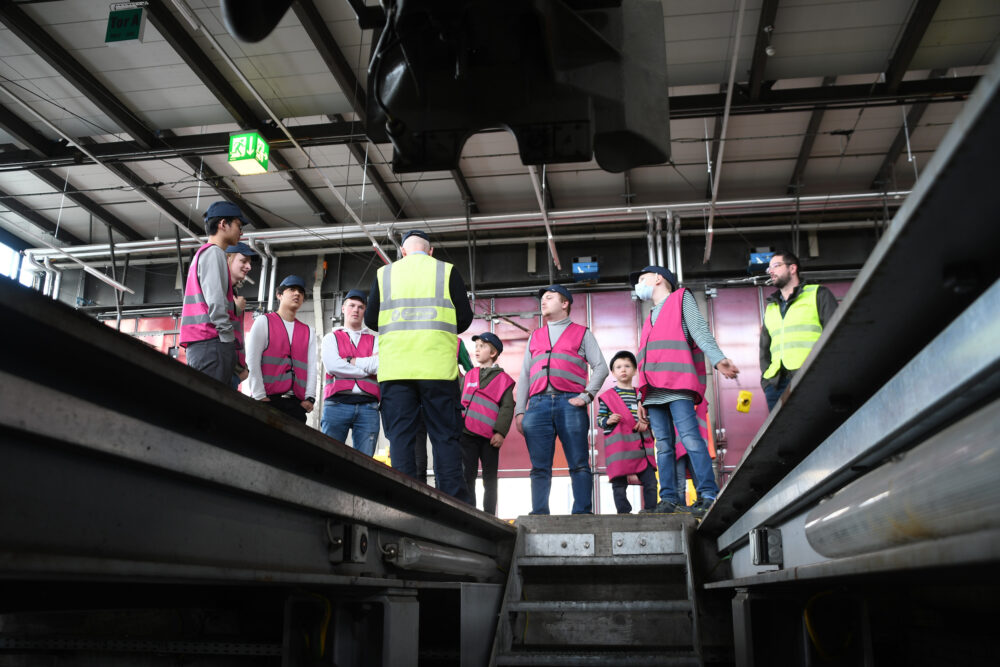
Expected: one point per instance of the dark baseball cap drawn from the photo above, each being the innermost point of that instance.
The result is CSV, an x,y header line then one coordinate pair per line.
x,y
357,294
415,232
241,248
633,277
490,338
623,354
293,281
224,209
556,288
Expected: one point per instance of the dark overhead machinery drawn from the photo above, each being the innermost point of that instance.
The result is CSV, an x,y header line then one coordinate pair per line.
x,y
571,79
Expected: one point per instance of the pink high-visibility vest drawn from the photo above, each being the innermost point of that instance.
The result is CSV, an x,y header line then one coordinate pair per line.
x,y
481,405
195,324
285,366
559,365
347,349
626,451
666,359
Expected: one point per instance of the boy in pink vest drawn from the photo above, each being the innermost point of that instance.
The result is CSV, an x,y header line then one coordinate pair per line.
x,y
628,442
238,257
209,311
488,408
351,393
673,345
281,354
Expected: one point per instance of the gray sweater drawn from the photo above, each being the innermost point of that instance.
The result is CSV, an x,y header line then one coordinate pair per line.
x,y
213,274
589,349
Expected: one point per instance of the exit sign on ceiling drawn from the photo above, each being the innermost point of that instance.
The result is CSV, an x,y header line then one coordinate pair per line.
x,y
126,23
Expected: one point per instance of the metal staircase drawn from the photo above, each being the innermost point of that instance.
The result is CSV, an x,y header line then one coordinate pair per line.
x,y
607,590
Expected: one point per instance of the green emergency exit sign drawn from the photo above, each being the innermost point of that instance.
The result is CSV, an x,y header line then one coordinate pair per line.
x,y
126,22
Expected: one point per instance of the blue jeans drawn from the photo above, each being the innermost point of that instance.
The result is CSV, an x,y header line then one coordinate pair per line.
x,y
548,416
772,393
663,418
359,418
437,403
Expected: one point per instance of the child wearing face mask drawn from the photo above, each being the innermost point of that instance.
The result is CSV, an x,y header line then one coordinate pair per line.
x,y
628,442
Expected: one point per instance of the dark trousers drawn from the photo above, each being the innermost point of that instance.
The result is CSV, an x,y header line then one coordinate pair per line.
x,y
213,358
404,402
420,449
773,392
476,448
290,405
647,477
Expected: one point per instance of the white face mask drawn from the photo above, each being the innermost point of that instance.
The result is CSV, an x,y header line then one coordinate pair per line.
x,y
643,291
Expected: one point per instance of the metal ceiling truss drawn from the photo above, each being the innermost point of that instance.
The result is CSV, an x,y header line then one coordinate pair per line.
x,y
900,61
38,220
805,150
883,176
241,111
765,29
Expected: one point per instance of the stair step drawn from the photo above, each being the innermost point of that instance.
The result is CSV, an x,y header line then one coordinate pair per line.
x,y
603,561
599,605
605,659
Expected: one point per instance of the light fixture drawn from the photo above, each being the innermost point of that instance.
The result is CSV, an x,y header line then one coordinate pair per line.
x,y
248,153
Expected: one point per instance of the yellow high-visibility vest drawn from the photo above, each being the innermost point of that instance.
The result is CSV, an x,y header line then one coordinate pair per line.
x,y
417,332
792,336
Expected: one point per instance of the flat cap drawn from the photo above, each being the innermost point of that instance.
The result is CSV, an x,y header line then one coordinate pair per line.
x,y
293,281
490,338
357,294
241,248
224,209
556,288
633,277
415,232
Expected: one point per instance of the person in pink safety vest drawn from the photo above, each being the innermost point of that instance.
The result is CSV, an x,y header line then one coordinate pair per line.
x,y
628,442
673,345
238,256
351,394
209,312
552,398
281,354
488,408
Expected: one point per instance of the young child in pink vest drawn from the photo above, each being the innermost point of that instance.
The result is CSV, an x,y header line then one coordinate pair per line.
x,y
487,409
628,443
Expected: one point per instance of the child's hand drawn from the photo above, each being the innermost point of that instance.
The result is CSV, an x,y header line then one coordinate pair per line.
x,y
614,418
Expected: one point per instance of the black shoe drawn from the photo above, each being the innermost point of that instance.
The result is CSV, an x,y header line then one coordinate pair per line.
x,y
701,507
667,507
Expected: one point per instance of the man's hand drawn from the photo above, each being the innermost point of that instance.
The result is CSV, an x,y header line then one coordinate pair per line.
x,y
642,426
307,405
577,401
643,417
614,418
496,440
728,368
517,422
240,303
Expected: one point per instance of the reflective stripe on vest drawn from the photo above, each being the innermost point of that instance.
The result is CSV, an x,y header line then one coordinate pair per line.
x,y
559,365
701,414
347,349
667,360
792,336
626,451
285,366
417,332
481,405
195,322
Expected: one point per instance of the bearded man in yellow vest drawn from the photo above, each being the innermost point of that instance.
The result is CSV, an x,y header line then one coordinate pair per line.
x,y
794,318
419,305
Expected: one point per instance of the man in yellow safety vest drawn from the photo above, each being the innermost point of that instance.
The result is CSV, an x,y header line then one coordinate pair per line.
x,y
793,321
419,305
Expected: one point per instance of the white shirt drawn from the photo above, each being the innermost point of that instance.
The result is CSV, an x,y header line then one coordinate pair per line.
x,y
256,343
338,366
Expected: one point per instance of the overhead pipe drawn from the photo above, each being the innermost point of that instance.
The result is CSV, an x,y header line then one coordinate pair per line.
x,y
671,264
273,281
679,272
649,237
57,280
545,216
193,19
659,241
505,222
264,251
40,270
722,134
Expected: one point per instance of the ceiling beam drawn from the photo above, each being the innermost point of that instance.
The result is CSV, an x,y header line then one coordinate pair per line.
x,y
37,219
74,72
213,143
713,150
882,176
914,32
25,134
805,149
314,25
463,189
807,99
301,187
765,30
